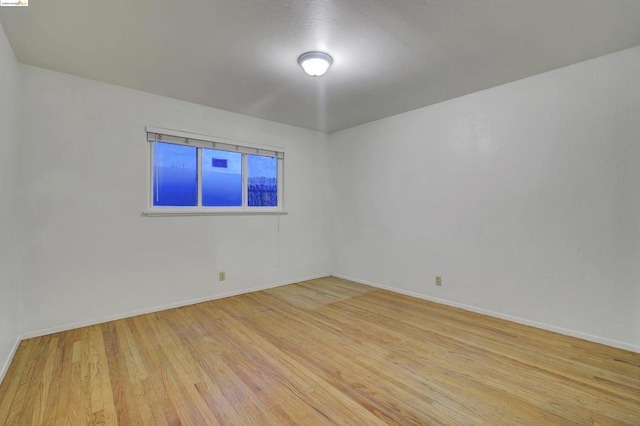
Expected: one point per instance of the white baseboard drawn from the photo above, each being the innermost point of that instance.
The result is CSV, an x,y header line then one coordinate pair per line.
x,y
524,321
71,326
7,363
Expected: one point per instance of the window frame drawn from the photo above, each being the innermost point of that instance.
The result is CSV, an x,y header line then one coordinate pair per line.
x,y
210,142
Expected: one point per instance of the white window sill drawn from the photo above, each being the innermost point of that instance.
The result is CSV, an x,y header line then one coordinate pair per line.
x,y
203,212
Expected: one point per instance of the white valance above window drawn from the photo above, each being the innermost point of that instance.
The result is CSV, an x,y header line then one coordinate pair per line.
x,y
202,141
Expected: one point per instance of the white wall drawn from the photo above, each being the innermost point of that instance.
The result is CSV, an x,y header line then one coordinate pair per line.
x,y
524,197
90,255
9,241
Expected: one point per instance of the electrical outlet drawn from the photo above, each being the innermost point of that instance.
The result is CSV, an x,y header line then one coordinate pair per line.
x,y
222,276
438,280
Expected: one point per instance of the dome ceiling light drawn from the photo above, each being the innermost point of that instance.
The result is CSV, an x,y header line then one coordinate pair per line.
x,y
315,63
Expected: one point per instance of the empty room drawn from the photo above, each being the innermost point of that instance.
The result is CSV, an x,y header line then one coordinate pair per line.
x,y
416,212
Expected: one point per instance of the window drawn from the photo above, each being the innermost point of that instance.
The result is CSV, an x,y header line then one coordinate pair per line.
x,y
195,174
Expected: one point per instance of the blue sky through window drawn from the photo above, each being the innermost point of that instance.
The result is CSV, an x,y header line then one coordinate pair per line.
x,y
175,177
221,186
263,181
176,174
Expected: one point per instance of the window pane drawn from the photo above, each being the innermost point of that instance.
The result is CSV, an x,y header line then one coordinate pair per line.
x,y
175,177
263,181
221,178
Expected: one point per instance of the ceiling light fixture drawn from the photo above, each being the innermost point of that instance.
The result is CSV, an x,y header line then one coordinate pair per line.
x,y
315,63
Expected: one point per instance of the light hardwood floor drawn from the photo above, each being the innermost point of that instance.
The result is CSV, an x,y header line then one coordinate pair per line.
x,y
326,351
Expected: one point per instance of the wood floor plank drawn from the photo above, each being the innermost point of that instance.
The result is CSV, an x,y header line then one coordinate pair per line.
x,y
325,351
29,393
162,410
64,380
41,397
79,408
519,362
11,384
117,374
368,359
180,376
